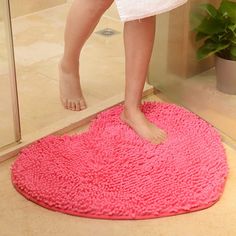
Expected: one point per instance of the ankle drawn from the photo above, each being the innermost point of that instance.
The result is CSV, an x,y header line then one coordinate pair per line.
x,y
131,110
69,67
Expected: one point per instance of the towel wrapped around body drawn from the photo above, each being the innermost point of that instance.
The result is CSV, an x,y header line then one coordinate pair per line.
x,y
138,9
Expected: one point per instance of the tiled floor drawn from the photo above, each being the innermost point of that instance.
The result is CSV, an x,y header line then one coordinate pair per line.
x,y
21,217
199,94
39,46
38,42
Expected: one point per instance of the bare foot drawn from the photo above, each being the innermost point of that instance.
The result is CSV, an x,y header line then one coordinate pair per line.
x,y
70,90
143,127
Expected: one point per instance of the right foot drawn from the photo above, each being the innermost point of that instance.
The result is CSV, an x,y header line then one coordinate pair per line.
x,y
70,90
143,127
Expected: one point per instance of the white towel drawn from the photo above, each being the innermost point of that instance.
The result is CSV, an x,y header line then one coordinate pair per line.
x,y
138,9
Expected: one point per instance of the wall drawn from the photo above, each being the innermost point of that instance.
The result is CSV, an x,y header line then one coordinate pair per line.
x,y
175,48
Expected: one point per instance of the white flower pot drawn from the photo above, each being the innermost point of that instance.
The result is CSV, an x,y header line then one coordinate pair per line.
x,y
225,75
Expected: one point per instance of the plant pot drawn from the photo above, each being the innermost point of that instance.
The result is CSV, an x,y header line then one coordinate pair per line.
x,y
226,75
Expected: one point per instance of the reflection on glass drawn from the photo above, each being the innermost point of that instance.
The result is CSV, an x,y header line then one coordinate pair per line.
x,y
39,46
176,72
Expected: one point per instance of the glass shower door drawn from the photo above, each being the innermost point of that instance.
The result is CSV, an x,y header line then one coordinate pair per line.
x,y
9,112
183,79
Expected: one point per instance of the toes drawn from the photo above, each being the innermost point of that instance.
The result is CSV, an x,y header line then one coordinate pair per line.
x,y
78,106
156,140
74,105
163,134
159,138
66,104
82,104
70,105
162,137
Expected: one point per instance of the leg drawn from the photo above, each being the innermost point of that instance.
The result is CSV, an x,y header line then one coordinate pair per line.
x,y
81,21
139,39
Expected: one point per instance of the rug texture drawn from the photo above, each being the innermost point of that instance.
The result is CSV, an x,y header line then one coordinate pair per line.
x,y
110,172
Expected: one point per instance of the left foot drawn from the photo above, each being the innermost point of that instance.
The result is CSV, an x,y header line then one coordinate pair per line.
x,y
70,90
143,127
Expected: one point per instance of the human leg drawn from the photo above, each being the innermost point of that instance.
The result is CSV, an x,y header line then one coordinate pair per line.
x,y
139,39
82,19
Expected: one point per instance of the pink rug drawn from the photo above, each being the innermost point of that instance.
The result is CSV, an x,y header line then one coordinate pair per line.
x,y
110,172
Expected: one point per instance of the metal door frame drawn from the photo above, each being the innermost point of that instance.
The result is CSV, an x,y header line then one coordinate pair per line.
x,y
12,69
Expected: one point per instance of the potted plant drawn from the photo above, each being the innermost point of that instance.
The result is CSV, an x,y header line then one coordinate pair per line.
x,y
216,29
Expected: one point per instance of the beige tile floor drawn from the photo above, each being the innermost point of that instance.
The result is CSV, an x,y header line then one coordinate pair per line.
x,y
199,94
38,46
38,49
21,217
38,41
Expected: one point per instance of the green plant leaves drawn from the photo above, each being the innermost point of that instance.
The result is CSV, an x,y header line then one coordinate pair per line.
x,y
195,19
233,52
210,9
233,28
210,48
200,36
211,26
217,29
228,9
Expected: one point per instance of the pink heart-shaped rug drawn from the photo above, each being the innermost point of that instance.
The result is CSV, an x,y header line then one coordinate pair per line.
x,y
110,172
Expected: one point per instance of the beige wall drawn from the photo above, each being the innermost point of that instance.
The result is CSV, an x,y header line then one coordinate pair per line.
x,y
180,31
175,47
22,7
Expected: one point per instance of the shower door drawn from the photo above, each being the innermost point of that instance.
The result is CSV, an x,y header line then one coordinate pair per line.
x,y
183,79
9,112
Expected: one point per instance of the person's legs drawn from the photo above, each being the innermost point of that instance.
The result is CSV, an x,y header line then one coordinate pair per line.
x,y
81,21
139,39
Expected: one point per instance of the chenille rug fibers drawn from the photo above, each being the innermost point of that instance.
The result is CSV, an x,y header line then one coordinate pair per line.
x,y
110,172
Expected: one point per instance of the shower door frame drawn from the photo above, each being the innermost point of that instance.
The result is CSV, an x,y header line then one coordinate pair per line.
x,y
12,70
